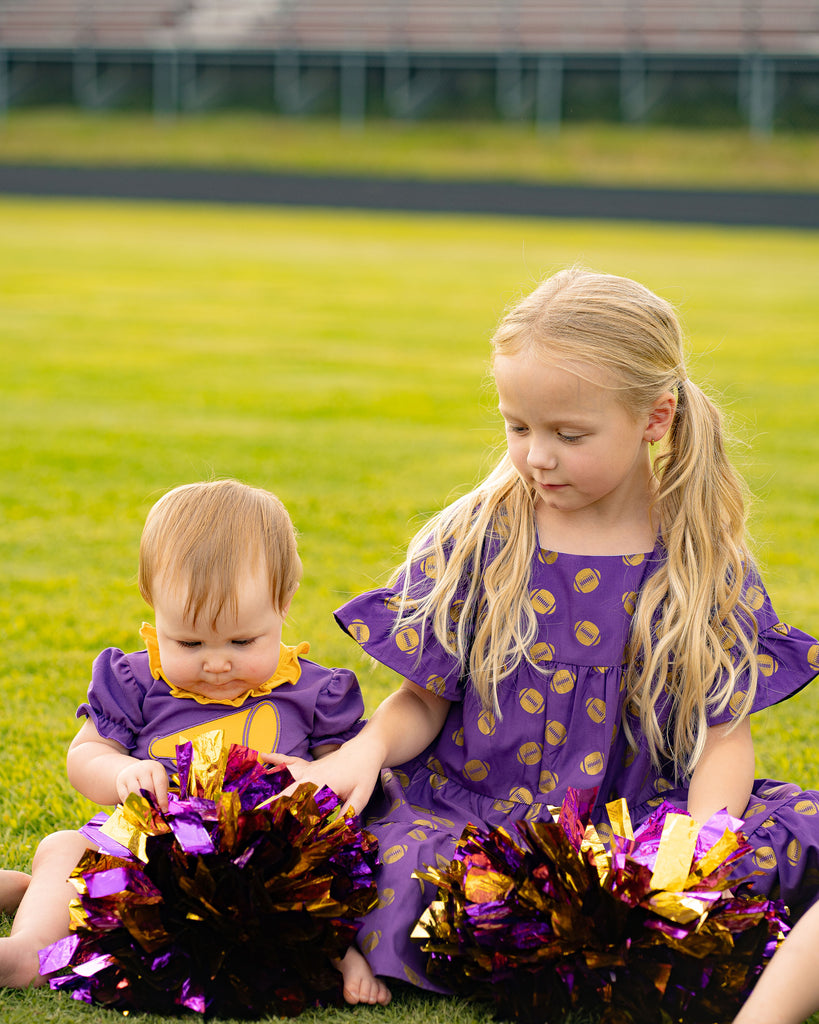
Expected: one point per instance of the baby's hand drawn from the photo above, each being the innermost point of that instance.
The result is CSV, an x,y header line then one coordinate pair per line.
x,y
148,775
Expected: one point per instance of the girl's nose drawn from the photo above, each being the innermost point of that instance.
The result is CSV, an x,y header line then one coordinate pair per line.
x,y
541,456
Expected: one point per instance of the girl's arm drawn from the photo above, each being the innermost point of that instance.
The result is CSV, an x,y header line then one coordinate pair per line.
x,y
103,770
402,726
788,990
323,749
724,774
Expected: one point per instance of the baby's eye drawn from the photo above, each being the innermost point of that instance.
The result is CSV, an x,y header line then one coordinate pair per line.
x,y
570,438
514,429
189,644
244,643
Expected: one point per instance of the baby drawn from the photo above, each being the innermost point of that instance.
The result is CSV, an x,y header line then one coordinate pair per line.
x,y
218,564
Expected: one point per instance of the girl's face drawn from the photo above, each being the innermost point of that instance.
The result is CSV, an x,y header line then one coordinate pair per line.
x,y
583,452
225,660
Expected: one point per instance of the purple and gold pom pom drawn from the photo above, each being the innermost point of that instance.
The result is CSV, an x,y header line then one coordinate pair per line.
x,y
546,918
231,903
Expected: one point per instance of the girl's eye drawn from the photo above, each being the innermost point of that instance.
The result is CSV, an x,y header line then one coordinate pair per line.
x,y
570,438
244,643
512,429
189,644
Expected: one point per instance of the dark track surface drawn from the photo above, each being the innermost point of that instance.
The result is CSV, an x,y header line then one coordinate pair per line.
x,y
751,208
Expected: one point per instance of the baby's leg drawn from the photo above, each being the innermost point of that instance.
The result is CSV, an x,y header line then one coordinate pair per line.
x,y
788,989
12,886
43,916
360,984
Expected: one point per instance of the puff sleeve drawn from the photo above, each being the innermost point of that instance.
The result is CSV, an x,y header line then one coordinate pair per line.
x,y
116,695
339,709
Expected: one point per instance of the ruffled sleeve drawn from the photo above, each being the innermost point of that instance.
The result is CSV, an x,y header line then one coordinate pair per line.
x,y
412,652
116,695
787,658
339,709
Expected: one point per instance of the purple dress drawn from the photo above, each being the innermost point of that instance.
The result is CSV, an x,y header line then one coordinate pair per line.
x,y
560,728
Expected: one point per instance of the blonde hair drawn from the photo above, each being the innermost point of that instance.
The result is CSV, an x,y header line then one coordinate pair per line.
x,y
693,634
201,537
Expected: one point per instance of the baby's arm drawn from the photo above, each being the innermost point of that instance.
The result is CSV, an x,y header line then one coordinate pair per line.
x,y
724,775
401,727
103,770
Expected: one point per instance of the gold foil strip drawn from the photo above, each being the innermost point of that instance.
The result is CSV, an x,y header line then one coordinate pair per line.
x,y
210,755
717,855
620,819
677,843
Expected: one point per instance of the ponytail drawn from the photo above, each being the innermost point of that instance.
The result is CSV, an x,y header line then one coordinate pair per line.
x,y
693,633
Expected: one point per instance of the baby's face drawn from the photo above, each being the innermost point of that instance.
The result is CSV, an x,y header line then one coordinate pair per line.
x,y
229,658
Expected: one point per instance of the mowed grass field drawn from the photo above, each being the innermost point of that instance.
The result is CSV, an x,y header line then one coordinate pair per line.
x,y
339,359
609,154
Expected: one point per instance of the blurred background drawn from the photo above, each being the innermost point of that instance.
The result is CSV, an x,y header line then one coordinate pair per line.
x,y
728,63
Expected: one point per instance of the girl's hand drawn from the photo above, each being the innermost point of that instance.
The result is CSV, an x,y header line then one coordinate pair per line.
x,y
275,757
403,725
147,775
351,771
286,759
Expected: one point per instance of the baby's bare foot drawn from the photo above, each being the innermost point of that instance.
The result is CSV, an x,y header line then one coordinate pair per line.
x,y
360,984
19,963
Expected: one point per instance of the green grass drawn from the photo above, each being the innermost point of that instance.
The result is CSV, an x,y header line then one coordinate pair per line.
x,y
339,359
592,154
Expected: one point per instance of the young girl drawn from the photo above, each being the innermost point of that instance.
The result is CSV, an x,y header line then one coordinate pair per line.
x,y
589,616
219,566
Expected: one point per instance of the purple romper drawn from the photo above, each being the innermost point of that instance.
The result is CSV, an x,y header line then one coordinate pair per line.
x,y
127,704
561,728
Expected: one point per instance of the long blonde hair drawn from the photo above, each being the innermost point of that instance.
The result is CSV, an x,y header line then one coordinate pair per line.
x,y
693,634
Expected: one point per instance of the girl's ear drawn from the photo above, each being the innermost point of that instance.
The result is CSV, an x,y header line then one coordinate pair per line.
x,y
660,417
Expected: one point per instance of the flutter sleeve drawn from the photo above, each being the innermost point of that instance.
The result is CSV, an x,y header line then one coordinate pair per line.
x,y
339,709
413,651
787,658
116,696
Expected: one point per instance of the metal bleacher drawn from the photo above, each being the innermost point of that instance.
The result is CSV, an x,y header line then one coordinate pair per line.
x,y
460,26
62,23
408,47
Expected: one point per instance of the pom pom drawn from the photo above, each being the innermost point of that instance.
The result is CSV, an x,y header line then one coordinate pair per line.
x,y
230,903
546,918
